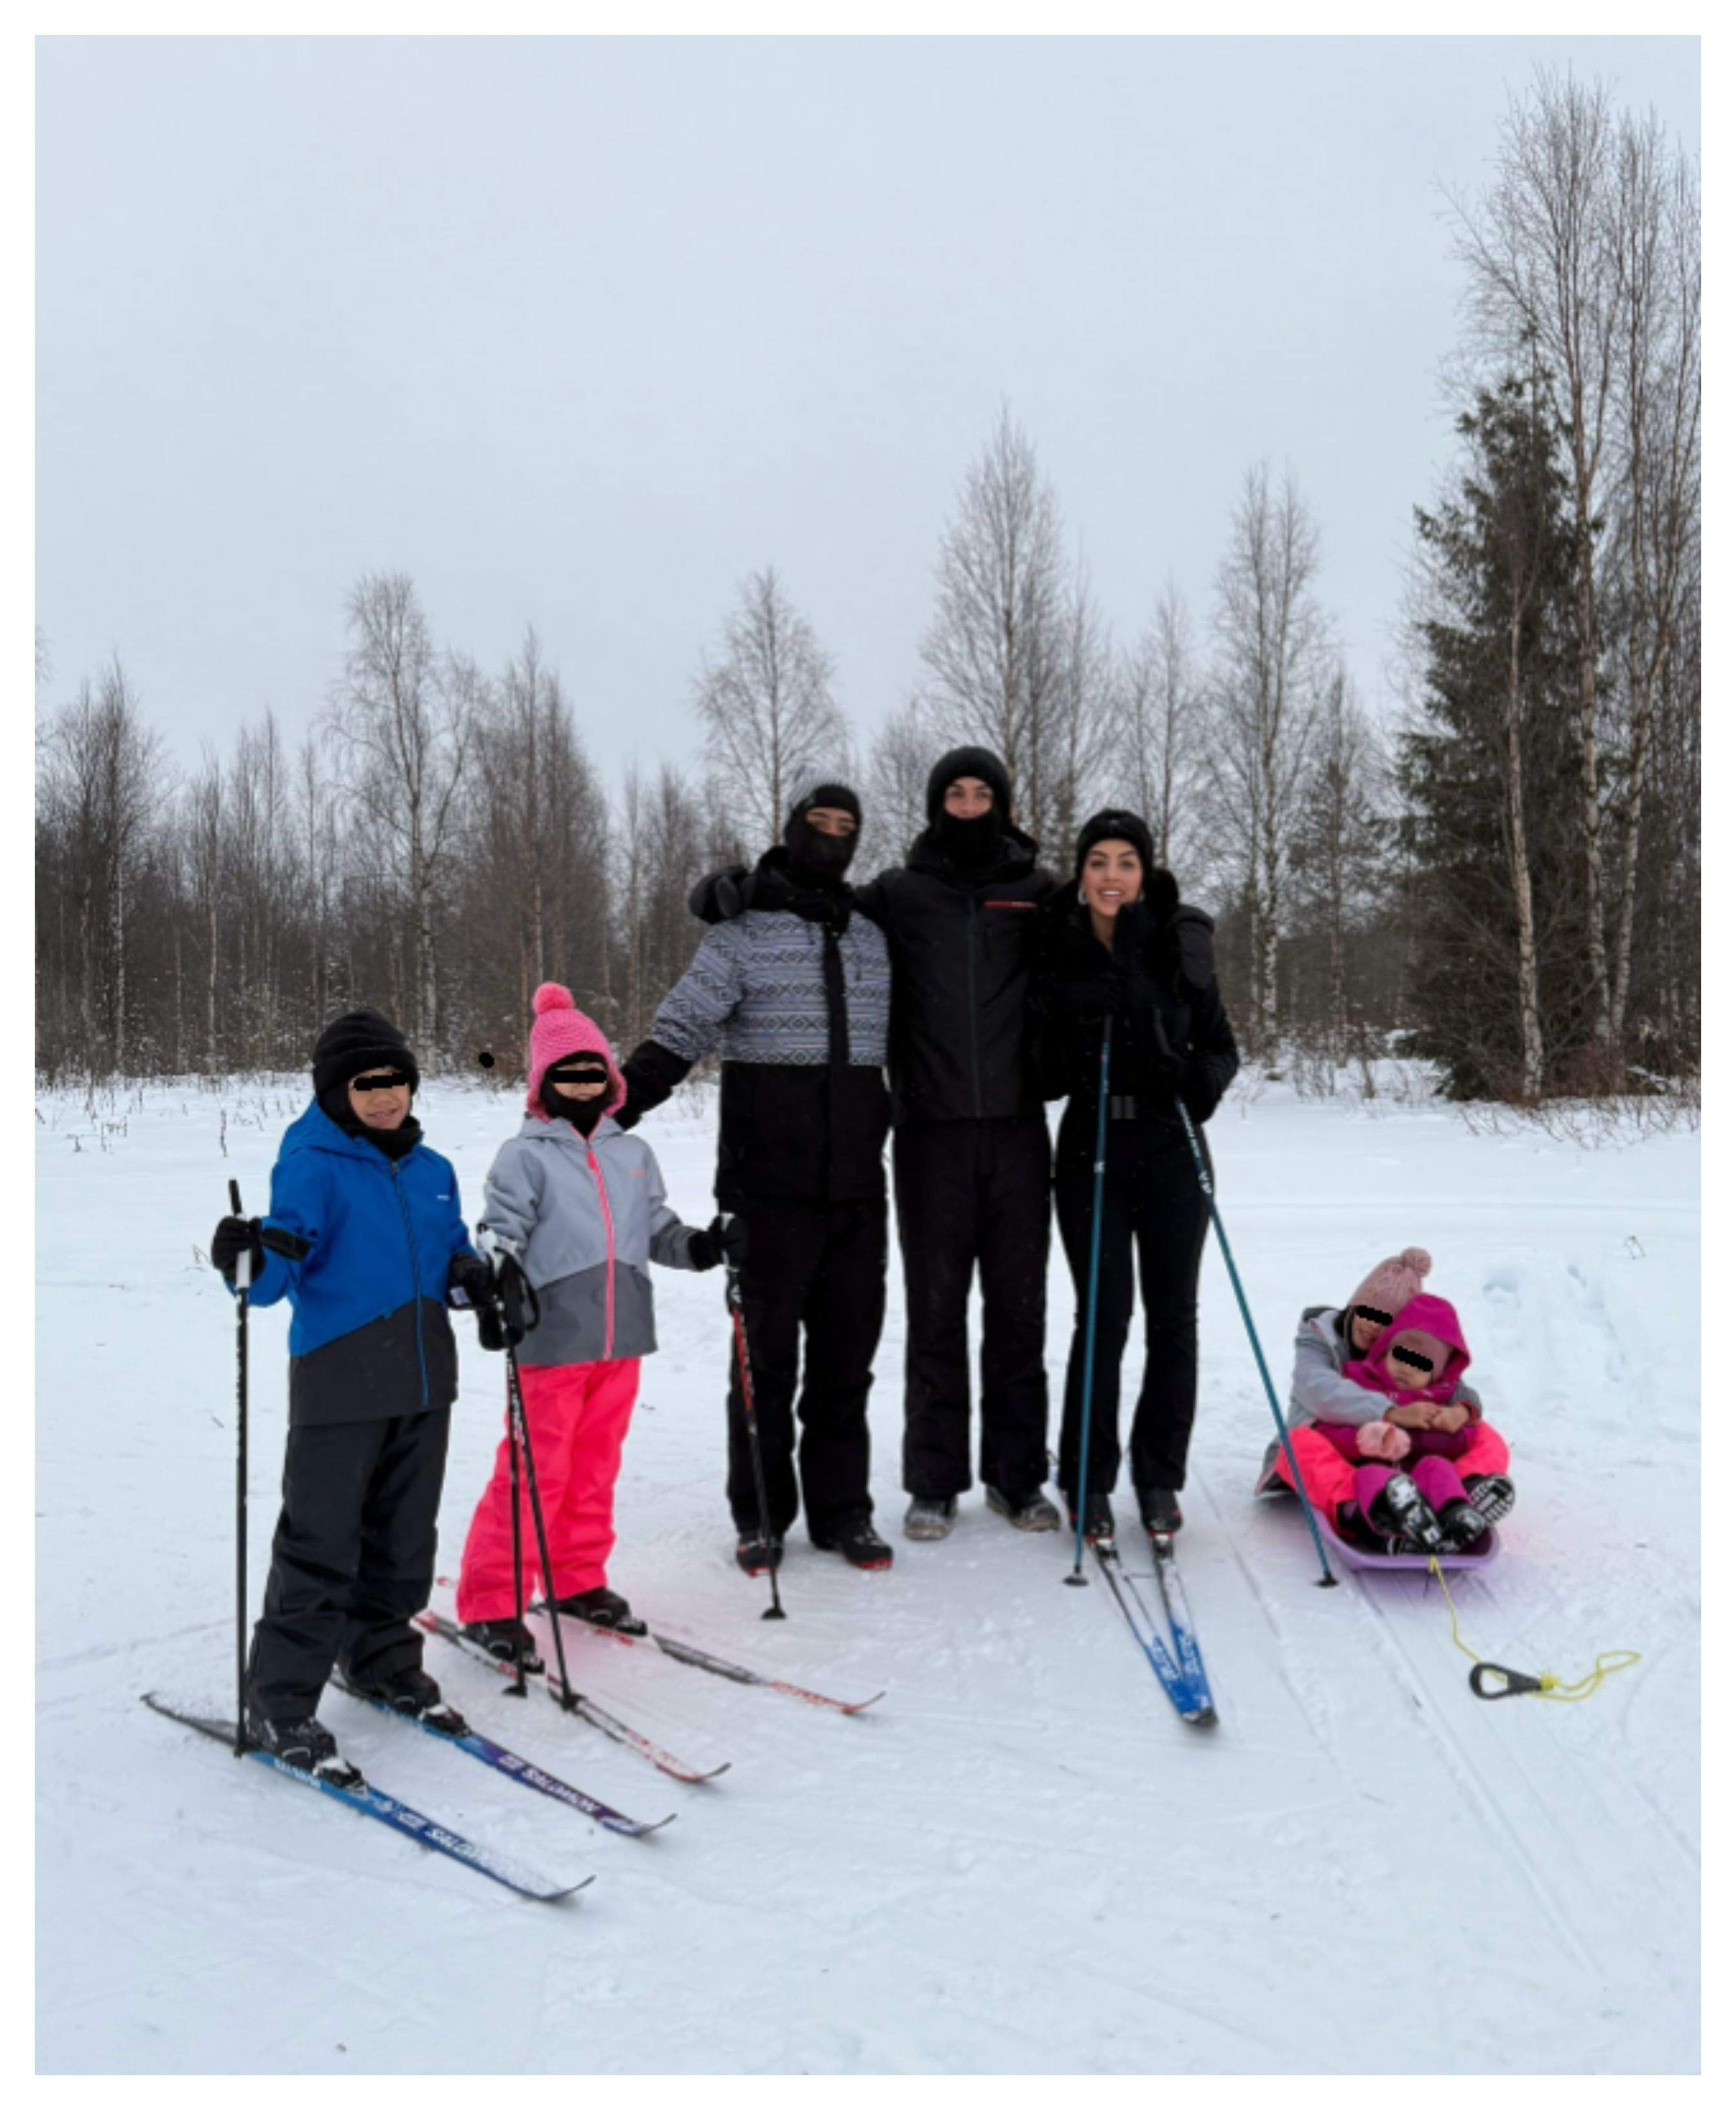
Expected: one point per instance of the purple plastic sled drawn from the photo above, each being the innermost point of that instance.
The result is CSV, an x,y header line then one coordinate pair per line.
x,y
1356,1556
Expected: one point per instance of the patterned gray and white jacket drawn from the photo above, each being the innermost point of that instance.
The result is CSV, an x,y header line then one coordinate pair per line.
x,y
755,992
585,1220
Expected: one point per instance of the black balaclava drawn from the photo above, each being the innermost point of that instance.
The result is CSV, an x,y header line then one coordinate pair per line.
x,y
584,1114
970,844
819,859
349,1047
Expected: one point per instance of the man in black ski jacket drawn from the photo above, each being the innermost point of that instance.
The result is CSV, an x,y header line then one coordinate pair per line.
x,y
791,987
970,1145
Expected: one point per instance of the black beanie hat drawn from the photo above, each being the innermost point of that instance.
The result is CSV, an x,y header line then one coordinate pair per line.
x,y
970,762
827,794
1113,824
360,1040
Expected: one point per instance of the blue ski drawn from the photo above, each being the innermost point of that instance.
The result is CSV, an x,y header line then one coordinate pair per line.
x,y
524,1771
1197,1712
1180,1616
385,1810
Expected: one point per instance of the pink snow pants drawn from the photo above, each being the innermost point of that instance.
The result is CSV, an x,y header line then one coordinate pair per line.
x,y
577,1415
1329,1478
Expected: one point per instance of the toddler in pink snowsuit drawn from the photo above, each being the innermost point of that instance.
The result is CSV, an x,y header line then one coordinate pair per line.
x,y
578,1207
1390,1441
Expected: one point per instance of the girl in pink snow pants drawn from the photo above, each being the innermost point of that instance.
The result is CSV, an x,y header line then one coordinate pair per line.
x,y
1390,1441
580,1206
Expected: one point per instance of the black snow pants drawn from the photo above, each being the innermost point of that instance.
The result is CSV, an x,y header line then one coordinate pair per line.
x,y
352,1557
1153,1211
813,1295
973,1197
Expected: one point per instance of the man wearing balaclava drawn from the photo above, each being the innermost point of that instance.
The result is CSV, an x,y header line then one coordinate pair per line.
x,y
971,1146
793,989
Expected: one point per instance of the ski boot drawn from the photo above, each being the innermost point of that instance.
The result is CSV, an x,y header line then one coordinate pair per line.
x,y
930,1516
1100,1519
509,1641
305,1742
756,1553
1464,1524
1158,1511
858,1542
411,1691
1491,1495
1401,1511
602,1608
1031,1512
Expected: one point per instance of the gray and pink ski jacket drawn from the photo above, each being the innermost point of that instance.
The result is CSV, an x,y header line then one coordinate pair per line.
x,y
585,1220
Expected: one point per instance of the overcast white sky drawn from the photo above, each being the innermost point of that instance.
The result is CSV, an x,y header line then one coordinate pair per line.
x,y
579,333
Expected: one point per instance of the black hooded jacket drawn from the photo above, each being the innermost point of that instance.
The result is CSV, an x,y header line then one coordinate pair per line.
x,y
1158,984
961,944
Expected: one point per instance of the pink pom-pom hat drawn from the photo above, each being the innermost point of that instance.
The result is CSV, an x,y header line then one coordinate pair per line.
x,y
560,1028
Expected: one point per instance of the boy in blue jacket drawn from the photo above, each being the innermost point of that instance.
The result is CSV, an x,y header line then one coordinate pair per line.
x,y
366,1239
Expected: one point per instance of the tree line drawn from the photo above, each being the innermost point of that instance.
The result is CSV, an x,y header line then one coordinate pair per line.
x,y
1496,868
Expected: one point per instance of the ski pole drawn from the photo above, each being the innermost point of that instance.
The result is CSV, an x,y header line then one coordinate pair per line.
x,y
515,1409
732,1281
516,1690
243,1282
1077,1578
1328,1580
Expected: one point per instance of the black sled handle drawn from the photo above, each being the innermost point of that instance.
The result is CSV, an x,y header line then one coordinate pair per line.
x,y
1508,1684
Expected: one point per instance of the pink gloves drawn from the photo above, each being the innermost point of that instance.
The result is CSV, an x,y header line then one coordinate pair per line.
x,y
1382,1440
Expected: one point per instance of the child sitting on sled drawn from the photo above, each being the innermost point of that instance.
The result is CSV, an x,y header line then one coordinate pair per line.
x,y
578,1207
1390,1441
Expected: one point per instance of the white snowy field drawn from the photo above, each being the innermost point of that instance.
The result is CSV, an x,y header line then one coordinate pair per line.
x,y
1020,1861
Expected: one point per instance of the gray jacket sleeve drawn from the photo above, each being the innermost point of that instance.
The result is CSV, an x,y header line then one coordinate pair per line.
x,y
671,1240
692,1016
1320,1391
512,1195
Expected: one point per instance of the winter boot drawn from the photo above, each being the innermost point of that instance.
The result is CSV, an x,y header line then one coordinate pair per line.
x,y
302,1741
858,1542
1158,1511
1401,1510
756,1553
1100,1519
411,1691
930,1516
1491,1495
1031,1512
509,1640
1464,1524
602,1608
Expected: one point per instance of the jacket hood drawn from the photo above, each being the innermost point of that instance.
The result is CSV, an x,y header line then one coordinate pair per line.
x,y
1433,1317
544,1128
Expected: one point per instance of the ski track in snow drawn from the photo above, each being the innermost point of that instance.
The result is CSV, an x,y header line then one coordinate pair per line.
x,y
1019,1860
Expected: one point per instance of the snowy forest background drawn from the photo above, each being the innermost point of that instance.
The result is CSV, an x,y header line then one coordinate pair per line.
x,y
1494,868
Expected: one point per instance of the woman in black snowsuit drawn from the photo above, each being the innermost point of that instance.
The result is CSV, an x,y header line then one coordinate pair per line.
x,y
1119,950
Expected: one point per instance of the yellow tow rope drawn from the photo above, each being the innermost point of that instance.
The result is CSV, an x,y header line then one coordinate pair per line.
x,y
1494,1680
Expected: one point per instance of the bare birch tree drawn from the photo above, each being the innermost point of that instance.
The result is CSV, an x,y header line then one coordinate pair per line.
x,y
766,705
1158,728
1271,637
408,721
992,649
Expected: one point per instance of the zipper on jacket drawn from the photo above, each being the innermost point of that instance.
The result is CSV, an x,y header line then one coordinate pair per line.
x,y
609,1269
409,1232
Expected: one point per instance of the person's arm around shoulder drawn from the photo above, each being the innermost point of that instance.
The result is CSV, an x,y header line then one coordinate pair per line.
x,y
688,1024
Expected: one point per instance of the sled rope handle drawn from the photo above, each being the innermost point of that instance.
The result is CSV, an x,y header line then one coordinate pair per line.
x,y
1494,1680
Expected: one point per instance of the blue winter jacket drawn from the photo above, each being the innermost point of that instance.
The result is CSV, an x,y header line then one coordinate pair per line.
x,y
370,1338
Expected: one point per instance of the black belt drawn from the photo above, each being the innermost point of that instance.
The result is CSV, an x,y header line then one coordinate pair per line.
x,y
1124,1108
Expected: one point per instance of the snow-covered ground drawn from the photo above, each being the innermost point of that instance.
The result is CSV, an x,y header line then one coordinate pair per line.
x,y
1020,1861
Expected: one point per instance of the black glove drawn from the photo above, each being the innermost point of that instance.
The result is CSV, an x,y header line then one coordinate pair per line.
x,y
724,1239
474,1278
234,1236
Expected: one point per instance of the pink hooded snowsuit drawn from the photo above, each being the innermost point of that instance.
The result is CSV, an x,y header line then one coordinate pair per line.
x,y
1334,1468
